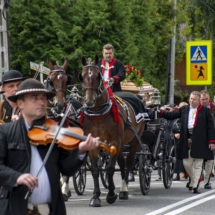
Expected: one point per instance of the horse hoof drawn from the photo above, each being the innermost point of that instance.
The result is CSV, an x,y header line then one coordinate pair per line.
x,y
123,195
69,194
111,199
95,202
65,197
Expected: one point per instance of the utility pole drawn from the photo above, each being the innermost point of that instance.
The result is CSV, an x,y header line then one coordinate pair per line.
x,y
172,67
4,53
168,73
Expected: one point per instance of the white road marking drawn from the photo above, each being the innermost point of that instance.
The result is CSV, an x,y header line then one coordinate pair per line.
x,y
92,191
161,210
137,185
77,200
194,204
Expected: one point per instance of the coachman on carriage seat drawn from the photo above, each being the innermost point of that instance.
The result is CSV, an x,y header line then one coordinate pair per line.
x,y
111,68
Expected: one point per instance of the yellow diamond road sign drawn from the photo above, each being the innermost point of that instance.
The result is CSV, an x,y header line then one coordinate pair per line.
x,y
199,62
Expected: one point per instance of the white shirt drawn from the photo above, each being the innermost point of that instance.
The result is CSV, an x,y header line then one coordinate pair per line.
x,y
42,193
106,72
191,117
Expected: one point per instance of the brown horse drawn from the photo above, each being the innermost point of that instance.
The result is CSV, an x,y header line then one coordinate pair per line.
x,y
57,81
99,121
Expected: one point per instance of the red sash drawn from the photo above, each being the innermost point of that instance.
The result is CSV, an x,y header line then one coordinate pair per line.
x,y
211,106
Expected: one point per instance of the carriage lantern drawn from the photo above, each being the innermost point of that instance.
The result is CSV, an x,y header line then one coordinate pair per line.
x,y
74,89
156,99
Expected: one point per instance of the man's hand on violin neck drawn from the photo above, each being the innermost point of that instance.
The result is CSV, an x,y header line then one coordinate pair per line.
x,y
27,179
90,144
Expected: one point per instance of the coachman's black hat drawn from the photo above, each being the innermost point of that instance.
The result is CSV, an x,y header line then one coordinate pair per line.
x,y
12,76
31,86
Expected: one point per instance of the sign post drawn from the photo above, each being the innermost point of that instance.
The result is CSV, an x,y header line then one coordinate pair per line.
x,y
40,68
199,62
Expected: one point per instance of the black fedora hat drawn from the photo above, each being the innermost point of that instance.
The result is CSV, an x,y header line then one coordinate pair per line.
x,y
11,76
31,85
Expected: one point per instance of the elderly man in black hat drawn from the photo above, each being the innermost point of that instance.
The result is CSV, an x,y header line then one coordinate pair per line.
x,y
20,160
10,83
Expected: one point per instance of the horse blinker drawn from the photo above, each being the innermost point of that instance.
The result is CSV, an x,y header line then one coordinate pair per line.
x,y
80,77
69,80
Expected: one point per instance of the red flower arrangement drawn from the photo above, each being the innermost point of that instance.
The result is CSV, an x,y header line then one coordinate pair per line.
x,y
134,75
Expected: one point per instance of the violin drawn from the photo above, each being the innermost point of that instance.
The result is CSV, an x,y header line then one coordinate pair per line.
x,y
68,138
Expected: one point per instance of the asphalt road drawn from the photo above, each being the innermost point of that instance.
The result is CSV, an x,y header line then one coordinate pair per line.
x,y
176,200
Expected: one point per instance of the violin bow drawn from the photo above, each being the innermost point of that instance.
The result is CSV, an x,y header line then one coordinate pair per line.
x,y
28,194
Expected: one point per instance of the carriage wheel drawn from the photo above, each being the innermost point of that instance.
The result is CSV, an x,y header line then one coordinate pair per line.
x,y
168,164
144,174
79,180
102,163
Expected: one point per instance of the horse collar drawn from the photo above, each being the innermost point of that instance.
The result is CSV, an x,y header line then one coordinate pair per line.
x,y
102,113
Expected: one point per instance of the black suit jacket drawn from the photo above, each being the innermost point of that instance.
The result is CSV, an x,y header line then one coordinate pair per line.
x,y
15,158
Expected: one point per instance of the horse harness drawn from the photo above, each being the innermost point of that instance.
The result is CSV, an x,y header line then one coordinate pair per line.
x,y
98,90
107,106
49,82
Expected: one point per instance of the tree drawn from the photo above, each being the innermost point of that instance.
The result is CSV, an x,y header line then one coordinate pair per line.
x,y
139,30
38,31
198,18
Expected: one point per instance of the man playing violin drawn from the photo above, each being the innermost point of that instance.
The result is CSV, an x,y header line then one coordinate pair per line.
x,y
10,83
20,161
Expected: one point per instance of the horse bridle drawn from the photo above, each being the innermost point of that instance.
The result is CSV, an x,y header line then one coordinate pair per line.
x,y
60,76
98,90
50,82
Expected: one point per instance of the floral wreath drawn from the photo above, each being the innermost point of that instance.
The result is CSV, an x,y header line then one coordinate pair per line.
x,y
134,75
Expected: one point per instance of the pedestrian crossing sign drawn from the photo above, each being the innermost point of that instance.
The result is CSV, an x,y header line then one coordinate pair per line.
x,y
199,62
198,54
